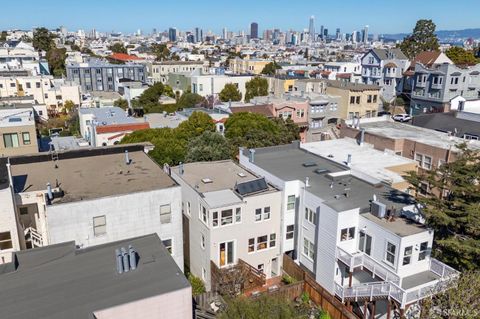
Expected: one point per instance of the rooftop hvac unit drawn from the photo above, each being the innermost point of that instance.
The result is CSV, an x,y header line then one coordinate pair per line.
x,y
378,209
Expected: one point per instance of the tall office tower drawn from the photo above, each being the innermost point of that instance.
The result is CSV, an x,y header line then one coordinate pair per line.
x,y
338,35
172,34
325,33
225,34
311,28
276,34
154,31
254,30
354,36
198,35
321,32
365,35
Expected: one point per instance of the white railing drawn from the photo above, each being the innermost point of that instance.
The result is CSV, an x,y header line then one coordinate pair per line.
x,y
442,270
35,237
360,259
390,288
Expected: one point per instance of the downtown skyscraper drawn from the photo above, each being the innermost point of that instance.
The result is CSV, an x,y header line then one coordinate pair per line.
x,y
311,28
254,30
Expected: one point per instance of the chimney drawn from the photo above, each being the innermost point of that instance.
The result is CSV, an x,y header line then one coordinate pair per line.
x,y
362,136
349,160
49,191
126,266
119,258
252,155
127,159
133,257
180,168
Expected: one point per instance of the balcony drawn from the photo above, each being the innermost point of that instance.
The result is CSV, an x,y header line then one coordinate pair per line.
x,y
412,289
236,279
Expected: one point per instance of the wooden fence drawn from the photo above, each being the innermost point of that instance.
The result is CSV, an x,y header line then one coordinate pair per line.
x,y
328,302
290,292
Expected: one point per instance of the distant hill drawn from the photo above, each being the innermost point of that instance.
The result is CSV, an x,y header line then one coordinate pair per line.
x,y
443,35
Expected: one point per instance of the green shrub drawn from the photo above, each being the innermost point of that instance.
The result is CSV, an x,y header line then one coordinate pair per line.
x,y
323,315
198,286
287,279
305,297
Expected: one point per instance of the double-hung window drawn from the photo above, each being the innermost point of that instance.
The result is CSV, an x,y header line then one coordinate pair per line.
x,y
291,202
165,214
390,253
99,225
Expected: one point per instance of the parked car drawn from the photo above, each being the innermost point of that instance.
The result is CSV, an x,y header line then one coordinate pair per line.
x,y
402,118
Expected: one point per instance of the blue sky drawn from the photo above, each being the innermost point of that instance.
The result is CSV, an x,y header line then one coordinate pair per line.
x,y
383,16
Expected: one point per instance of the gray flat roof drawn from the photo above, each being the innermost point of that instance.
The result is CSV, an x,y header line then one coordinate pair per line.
x,y
422,135
59,281
223,175
88,173
419,279
108,115
286,162
401,226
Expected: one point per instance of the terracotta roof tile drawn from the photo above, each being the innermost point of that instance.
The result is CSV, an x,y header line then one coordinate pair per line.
x,y
124,57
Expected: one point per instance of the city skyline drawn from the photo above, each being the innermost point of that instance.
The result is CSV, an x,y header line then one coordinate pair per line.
x,y
445,14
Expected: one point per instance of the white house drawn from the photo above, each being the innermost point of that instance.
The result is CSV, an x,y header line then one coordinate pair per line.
x,y
208,85
357,238
230,214
96,196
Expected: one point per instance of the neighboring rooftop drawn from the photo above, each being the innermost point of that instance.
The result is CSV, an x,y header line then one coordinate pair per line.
x,y
396,130
351,86
449,122
108,115
218,181
400,226
10,117
328,180
262,109
90,173
364,159
60,281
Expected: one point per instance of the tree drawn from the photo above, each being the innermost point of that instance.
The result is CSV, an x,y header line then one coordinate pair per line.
x,y
168,147
271,68
460,56
461,299
56,61
118,48
3,36
196,125
210,146
190,100
42,39
423,38
68,106
253,130
452,208
152,94
230,92
256,87
121,103
198,286
161,51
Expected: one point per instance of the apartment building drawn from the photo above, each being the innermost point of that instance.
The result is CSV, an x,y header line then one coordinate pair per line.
x,y
15,56
357,238
385,68
430,148
212,85
97,75
18,131
107,126
231,216
433,87
132,278
43,89
351,71
95,196
364,160
161,71
247,65
356,100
